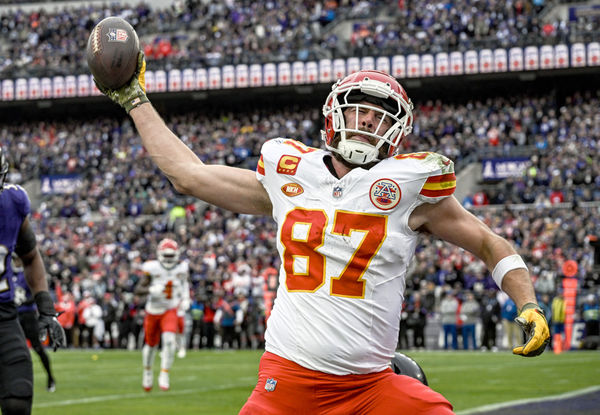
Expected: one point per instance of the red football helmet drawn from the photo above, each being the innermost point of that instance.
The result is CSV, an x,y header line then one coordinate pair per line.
x,y
168,253
357,91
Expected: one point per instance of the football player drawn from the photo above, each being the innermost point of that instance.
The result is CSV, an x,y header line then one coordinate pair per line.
x,y
16,235
28,317
163,284
349,217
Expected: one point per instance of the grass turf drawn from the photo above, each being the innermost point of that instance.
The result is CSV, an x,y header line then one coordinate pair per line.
x,y
219,382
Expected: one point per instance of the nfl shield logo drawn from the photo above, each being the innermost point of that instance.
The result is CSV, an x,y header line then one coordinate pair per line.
x,y
270,385
117,35
337,192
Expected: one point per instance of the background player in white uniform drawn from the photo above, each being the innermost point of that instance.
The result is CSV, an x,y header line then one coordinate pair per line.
x,y
348,221
164,282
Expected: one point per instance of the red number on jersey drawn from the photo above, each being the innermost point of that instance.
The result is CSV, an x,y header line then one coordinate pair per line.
x,y
168,290
302,248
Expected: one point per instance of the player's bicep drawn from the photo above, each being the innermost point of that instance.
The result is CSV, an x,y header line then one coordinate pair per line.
x,y
231,188
26,242
449,221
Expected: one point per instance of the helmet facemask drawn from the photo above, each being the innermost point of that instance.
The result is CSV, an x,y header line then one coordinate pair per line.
x,y
391,107
168,253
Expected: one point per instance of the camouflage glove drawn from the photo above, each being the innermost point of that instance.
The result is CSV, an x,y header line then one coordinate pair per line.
x,y
533,322
47,322
132,94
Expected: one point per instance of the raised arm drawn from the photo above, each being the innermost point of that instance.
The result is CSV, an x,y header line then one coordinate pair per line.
x,y
231,188
449,221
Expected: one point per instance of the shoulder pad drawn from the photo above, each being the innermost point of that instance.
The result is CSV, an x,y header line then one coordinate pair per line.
x,y
274,153
429,161
19,197
439,173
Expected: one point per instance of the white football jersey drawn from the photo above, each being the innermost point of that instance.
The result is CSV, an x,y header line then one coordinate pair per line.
x,y
345,246
170,283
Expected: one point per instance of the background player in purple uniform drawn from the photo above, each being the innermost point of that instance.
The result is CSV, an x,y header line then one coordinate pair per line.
x,y
28,317
16,235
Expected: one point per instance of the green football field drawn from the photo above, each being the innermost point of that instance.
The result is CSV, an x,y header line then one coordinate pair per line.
x,y
218,382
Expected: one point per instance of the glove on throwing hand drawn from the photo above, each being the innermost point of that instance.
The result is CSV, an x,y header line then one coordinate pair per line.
x,y
132,94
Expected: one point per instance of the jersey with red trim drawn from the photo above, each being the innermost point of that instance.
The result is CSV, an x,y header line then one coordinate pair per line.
x,y
166,286
345,246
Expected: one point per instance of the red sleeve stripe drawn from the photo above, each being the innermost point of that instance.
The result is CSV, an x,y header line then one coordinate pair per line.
x,y
260,168
437,186
437,193
450,177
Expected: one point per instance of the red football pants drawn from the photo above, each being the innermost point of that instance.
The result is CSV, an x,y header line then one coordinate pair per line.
x,y
155,324
303,391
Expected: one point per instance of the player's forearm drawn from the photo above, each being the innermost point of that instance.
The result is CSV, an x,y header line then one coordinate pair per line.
x,y
517,284
167,151
34,271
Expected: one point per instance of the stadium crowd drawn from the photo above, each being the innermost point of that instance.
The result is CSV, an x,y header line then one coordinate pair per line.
x,y
204,33
95,238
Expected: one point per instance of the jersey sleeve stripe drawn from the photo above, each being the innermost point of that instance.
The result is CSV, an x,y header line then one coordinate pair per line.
x,y
437,193
450,177
440,185
260,168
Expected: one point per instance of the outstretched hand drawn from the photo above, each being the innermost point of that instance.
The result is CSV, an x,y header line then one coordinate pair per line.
x,y
47,322
534,324
133,93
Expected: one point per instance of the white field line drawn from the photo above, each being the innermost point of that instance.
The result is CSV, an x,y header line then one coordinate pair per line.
x,y
502,405
139,395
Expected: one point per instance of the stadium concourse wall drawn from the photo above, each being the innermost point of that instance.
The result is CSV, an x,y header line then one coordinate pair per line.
x,y
484,62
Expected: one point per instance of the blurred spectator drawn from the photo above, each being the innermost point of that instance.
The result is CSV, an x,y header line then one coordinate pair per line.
x,y
590,311
448,313
513,335
490,317
470,311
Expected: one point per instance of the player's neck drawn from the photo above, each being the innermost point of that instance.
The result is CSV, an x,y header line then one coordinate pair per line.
x,y
336,167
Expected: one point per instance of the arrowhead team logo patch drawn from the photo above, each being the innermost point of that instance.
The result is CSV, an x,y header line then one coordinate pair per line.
x,y
385,194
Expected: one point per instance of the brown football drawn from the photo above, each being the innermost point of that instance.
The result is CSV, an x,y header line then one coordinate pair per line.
x,y
112,51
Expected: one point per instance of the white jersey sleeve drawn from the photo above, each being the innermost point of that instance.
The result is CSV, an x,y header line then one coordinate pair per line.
x,y
345,246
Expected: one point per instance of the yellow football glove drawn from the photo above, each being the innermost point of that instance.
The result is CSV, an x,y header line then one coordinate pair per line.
x,y
533,322
133,93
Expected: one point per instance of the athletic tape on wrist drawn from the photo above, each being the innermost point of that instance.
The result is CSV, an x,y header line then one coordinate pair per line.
x,y
506,264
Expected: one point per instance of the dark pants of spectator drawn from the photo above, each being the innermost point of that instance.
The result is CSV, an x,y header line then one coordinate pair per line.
x,y
208,332
489,335
450,331
403,336
228,336
196,331
419,335
69,335
468,335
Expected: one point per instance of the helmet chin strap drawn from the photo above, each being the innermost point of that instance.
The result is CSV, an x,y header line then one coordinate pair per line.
x,y
356,152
